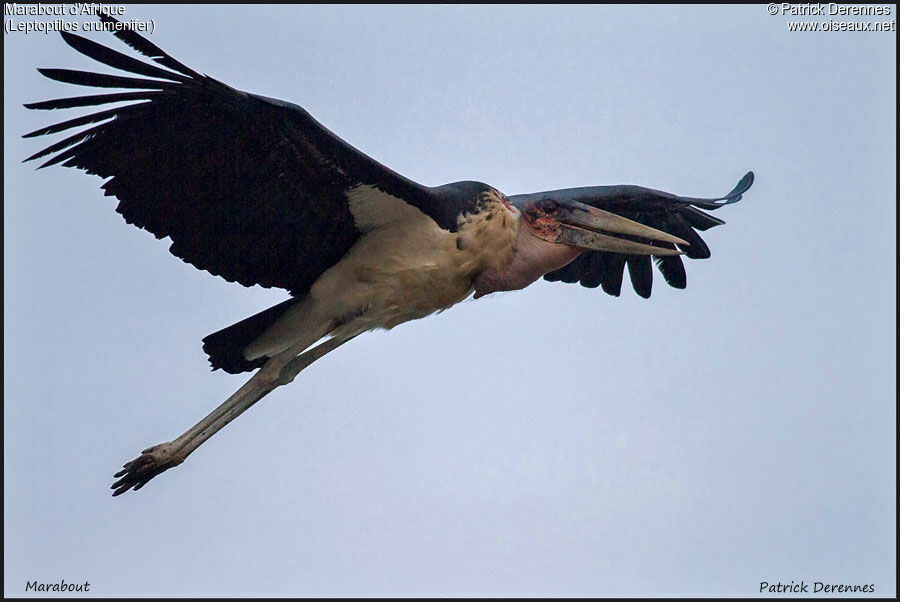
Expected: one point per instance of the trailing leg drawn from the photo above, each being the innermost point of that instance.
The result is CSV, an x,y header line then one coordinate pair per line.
x,y
277,371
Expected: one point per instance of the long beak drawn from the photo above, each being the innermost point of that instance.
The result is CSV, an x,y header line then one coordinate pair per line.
x,y
578,225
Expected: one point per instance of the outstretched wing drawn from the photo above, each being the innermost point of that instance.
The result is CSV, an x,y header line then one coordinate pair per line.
x,y
248,188
678,215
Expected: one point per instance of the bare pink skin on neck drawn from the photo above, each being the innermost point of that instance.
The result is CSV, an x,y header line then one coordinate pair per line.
x,y
534,258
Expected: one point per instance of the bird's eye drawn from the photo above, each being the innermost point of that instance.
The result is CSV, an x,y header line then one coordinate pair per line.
x,y
544,208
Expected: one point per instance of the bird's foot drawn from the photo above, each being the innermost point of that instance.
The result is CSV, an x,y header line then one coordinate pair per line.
x,y
152,461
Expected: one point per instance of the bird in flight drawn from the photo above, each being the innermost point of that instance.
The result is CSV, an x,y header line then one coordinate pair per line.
x,y
255,190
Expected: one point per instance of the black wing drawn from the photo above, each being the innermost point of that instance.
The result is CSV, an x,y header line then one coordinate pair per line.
x,y
678,215
248,188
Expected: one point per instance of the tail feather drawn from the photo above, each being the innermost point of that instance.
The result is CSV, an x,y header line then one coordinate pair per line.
x,y
225,348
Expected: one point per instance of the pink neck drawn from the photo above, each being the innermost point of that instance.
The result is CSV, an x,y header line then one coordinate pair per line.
x,y
534,258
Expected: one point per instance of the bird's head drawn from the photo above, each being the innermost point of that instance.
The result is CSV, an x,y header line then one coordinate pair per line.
x,y
554,231
579,226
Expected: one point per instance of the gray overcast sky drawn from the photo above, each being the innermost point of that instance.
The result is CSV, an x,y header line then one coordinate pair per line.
x,y
550,441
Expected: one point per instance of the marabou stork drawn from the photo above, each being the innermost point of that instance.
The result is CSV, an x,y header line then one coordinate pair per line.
x,y
256,191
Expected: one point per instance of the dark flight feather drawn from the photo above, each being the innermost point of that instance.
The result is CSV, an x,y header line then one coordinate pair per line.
x,y
147,48
89,101
249,188
101,80
117,60
641,272
78,121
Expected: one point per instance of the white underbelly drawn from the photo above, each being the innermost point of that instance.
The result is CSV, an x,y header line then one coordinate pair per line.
x,y
394,275
402,268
